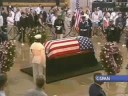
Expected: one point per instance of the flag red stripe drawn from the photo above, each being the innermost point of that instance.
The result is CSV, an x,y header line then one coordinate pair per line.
x,y
61,47
62,54
47,45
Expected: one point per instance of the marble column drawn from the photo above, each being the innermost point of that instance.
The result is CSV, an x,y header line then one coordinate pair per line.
x,y
82,3
72,5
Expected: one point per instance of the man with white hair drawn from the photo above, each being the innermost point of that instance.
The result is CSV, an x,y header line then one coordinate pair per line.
x,y
39,59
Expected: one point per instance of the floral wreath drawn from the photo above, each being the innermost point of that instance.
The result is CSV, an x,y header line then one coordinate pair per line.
x,y
7,56
35,31
111,58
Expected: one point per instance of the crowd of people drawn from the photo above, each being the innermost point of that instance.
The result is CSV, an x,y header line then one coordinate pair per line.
x,y
24,18
61,20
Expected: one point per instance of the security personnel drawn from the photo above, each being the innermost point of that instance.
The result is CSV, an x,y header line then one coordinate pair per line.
x,y
84,27
111,32
59,26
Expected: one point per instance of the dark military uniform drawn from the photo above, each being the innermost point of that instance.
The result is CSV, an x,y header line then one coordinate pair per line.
x,y
96,90
59,25
90,28
84,28
120,25
111,33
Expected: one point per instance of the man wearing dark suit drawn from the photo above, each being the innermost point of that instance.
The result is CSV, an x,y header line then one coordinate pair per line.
x,y
4,13
10,7
96,89
22,27
30,19
120,25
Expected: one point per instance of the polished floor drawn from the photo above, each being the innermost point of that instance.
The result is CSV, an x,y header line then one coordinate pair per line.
x,y
19,83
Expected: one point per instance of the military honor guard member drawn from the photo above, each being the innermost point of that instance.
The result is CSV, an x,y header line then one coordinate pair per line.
x,y
84,27
111,32
37,51
59,27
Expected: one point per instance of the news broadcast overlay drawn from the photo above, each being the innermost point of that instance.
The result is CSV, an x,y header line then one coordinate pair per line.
x,y
111,78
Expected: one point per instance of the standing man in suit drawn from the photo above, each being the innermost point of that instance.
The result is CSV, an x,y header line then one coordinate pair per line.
x,y
120,25
9,7
22,27
95,88
30,19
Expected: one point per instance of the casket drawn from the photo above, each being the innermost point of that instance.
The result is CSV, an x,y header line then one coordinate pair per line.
x,y
69,57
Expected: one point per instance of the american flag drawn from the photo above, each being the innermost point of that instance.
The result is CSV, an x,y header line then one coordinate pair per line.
x,y
85,43
67,47
60,48
77,15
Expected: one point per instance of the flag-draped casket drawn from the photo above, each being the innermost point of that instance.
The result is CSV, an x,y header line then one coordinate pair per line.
x,y
69,57
68,47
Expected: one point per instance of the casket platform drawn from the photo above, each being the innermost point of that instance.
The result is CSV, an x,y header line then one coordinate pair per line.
x,y
69,57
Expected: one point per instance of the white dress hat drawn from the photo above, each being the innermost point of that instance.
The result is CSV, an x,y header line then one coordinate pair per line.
x,y
38,36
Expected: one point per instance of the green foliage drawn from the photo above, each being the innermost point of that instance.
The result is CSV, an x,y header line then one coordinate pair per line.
x,y
7,55
35,31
